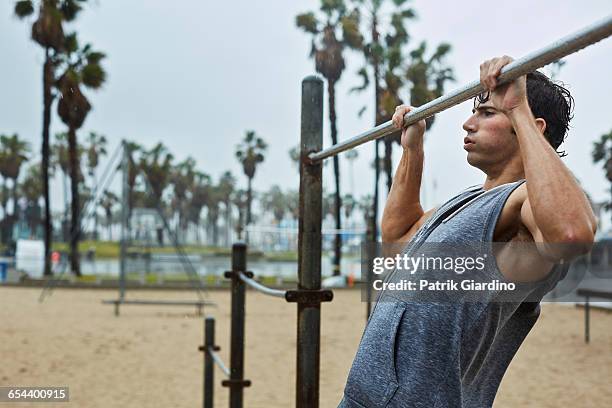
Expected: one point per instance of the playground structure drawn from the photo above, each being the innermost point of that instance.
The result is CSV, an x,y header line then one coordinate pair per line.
x,y
309,294
122,155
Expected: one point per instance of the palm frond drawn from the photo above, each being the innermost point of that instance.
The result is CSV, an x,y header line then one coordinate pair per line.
x,y
24,8
70,9
93,76
307,22
363,73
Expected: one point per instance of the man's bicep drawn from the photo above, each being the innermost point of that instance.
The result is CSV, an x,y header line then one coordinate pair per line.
x,y
416,226
528,220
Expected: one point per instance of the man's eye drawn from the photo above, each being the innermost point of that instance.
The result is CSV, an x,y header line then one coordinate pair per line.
x,y
489,113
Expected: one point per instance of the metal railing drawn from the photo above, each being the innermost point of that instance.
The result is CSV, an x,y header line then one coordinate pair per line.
x,y
259,287
241,278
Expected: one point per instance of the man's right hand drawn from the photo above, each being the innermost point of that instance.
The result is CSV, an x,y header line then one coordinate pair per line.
x,y
412,136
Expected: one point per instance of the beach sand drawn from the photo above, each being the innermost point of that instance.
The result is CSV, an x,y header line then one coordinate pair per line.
x,y
149,355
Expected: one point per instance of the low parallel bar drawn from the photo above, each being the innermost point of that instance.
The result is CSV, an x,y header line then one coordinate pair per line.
x,y
217,360
529,63
261,288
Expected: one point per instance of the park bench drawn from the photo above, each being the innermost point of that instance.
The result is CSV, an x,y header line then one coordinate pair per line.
x,y
588,294
199,304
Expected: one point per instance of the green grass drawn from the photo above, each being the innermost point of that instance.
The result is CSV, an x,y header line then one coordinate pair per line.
x,y
110,250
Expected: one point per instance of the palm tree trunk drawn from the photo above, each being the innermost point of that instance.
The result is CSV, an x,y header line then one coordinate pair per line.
x,y
388,164
47,101
248,214
95,206
215,232
75,230
375,37
15,199
4,199
110,229
331,90
228,222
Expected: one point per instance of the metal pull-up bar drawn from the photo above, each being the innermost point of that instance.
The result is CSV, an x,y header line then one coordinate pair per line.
x,y
529,63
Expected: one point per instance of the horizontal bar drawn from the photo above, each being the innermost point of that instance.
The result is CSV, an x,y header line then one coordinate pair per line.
x,y
529,63
218,361
261,288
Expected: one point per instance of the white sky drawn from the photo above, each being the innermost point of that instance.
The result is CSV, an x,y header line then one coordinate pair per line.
x,y
196,77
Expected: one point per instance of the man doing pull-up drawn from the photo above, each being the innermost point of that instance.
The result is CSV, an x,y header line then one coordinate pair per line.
x,y
454,354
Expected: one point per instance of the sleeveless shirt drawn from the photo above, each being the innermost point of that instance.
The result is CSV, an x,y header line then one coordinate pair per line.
x,y
435,354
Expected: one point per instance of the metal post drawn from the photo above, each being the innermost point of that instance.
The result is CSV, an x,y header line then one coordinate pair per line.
x,y
586,320
125,214
209,367
370,241
236,382
309,245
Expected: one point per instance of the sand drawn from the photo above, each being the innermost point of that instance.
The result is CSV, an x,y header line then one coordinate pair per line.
x,y
149,355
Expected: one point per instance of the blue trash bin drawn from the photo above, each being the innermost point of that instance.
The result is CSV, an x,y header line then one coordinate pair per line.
x,y
3,270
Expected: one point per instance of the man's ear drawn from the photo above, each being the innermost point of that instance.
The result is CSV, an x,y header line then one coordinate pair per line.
x,y
541,124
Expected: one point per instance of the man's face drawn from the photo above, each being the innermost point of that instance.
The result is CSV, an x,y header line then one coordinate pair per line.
x,y
490,141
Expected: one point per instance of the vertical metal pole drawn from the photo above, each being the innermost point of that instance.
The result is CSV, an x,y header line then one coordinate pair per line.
x,y
586,320
125,213
370,242
309,245
209,368
239,252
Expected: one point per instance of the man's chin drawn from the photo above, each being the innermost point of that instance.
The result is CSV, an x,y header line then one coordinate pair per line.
x,y
474,161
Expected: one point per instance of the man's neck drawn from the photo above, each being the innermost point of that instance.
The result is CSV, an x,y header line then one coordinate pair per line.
x,y
509,175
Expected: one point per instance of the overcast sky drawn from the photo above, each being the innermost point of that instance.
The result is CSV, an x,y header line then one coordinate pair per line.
x,y
197,74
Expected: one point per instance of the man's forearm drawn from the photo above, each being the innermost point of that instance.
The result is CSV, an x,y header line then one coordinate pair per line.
x,y
403,206
560,207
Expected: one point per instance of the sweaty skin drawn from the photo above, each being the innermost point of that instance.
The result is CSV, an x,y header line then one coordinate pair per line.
x,y
507,143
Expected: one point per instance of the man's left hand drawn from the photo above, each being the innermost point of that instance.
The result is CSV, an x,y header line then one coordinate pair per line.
x,y
506,97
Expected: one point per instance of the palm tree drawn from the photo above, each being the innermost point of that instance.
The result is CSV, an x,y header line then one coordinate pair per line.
x,y
60,158
365,206
212,205
349,204
81,67
226,187
182,178
428,76
602,152
31,190
332,32
250,153
109,200
48,32
274,201
383,56
199,198
383,59
14,153
239,199
133,149
96,149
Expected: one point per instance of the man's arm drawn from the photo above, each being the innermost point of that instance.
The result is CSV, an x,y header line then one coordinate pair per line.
x,y
556,210
403,207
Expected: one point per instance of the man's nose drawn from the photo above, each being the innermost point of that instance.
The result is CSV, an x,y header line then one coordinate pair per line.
x,y
470,124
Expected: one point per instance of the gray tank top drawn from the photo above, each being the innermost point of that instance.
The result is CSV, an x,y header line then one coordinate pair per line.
x,y
445,354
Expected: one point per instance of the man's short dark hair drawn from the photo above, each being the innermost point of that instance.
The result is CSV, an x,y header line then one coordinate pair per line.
x,y
553,103
550,101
